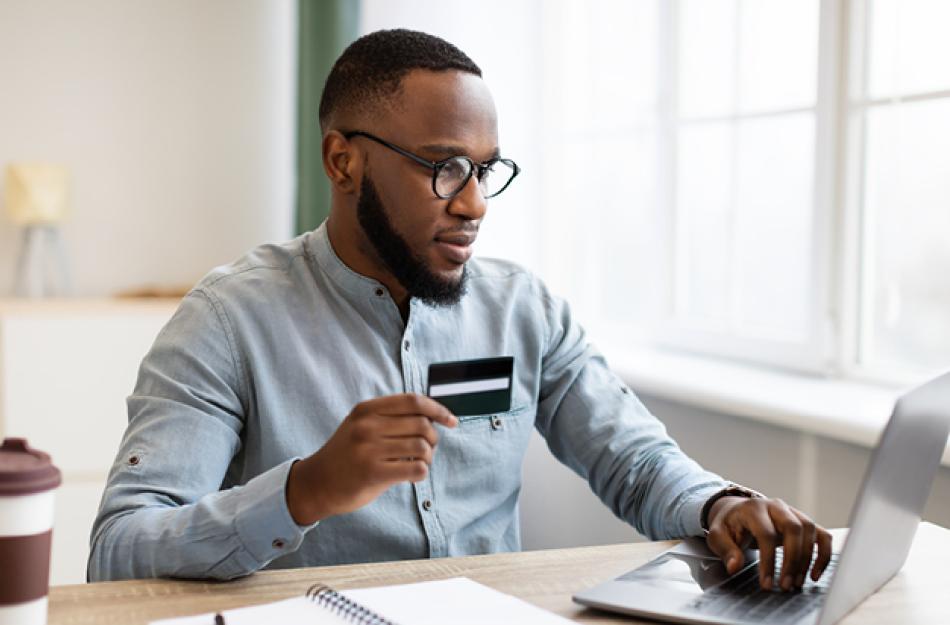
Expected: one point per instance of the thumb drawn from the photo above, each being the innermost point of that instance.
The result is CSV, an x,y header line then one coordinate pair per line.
x,y
721,543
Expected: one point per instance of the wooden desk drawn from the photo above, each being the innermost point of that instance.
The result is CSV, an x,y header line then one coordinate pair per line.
x,y
918,594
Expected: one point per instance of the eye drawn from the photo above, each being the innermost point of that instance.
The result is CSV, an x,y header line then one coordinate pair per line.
x,y
455,169
452,176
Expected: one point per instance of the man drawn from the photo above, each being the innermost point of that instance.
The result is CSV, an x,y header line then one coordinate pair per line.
x,y
280,418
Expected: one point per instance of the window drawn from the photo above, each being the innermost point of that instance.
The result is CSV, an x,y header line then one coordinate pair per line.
x,y
901,115
772,184
694,124
743,183
766,180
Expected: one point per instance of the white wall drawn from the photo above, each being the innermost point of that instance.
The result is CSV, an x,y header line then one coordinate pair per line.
x,y
176,119
65,369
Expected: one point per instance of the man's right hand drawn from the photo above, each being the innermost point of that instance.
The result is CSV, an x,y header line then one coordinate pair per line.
x,y
382,442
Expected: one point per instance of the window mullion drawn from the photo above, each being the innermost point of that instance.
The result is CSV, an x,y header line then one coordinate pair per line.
x,y
851,274
828,229
668,109
732,285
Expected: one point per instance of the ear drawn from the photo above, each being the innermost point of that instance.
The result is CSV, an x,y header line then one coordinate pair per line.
x,y
341,162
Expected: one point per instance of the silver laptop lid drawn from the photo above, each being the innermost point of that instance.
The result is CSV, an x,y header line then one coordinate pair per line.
x,y
892,498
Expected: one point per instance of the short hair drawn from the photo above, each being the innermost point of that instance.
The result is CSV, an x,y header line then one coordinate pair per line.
x,y
371,68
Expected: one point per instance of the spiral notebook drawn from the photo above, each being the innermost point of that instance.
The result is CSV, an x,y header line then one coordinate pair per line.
x,y
456,601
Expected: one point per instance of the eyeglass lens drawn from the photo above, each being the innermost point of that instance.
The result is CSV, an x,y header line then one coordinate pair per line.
x,y
455,173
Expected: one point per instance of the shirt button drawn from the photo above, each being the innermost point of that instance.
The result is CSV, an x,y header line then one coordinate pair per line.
x,y
624,390
406,345
427,505
380,292
278,543
496,422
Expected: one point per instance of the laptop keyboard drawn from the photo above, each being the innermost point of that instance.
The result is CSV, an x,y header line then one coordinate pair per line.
x,y
741,598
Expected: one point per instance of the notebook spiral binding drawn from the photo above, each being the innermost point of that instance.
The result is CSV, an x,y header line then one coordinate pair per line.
x,y
346,608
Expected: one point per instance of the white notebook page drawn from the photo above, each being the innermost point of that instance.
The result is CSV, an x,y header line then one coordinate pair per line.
x,y
456,601
296,611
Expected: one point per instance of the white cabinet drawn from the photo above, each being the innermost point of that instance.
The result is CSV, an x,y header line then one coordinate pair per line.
x,y
66,367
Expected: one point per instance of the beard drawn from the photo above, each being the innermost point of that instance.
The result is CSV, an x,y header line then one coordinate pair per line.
x,y
410,270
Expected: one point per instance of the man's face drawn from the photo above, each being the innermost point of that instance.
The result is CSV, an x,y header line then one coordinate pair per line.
x,y
412,271
424,241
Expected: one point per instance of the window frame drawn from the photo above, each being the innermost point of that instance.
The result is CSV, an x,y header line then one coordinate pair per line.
x,y
857,288
817,353
835,345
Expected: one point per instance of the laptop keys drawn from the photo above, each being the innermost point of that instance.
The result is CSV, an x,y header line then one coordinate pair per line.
x,y
741,598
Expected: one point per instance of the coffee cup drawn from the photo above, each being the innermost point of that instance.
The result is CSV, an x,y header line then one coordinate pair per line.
x,y
27,483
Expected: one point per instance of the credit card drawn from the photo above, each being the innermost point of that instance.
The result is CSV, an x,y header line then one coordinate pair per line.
x,y
472,387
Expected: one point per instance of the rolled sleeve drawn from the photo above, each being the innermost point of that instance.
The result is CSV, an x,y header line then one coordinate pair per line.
x,y
163,511
596,425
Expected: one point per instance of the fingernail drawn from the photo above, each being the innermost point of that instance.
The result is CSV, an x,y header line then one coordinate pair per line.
x,y
731,564
787,582
767,582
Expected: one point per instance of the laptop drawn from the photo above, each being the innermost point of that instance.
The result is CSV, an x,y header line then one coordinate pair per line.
x,y
689,584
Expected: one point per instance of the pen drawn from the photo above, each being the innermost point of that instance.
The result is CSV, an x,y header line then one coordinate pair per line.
x,y
218,619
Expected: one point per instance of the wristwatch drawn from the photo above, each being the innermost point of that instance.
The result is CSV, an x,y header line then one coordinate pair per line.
x,y
731,490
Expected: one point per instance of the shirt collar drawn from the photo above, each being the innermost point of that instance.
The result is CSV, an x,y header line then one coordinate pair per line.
x,y
326,260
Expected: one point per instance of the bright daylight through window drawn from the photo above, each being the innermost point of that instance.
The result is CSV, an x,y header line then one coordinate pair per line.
x,y
905,187
769,178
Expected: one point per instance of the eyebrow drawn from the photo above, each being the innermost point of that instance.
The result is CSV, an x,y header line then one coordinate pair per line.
x,y
449,151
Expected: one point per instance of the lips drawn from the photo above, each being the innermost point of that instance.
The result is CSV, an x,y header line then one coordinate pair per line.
x,y
456,247
457,238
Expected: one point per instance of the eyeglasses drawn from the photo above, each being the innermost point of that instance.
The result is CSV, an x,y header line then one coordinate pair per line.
x,y
450,176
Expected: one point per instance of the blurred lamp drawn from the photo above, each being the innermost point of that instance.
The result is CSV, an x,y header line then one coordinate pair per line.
x,y
36,198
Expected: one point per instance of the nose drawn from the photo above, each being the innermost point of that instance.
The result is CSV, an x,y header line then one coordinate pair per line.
x,y
469,203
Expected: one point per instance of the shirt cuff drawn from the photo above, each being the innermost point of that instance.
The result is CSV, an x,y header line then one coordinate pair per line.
x,y
692,510
263,521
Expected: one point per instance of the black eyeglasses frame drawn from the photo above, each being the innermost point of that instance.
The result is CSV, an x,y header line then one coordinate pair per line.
x,y
476,169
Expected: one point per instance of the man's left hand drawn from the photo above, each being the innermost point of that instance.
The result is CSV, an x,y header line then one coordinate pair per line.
x,y
736,523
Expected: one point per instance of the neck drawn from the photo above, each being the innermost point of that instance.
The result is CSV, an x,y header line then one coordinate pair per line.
x,y
357,253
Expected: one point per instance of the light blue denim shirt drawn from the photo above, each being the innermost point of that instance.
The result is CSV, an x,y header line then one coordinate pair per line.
x,y
265,357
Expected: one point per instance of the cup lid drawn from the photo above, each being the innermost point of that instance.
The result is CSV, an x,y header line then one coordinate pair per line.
x,y
24,470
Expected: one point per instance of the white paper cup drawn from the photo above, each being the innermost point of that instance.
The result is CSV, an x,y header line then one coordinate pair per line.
x,y
27,483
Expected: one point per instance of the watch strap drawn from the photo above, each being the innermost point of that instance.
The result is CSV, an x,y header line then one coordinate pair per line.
x,y
731,490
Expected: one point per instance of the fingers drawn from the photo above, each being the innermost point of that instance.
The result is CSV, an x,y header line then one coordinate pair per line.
x,y
761,527
401,449
409,427
408,404
381,442
393,438
771,522
721,541
408,471
823,538
798,534
809,533
791,530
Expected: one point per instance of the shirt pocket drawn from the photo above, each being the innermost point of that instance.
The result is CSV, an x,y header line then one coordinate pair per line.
x,y
498,440
494,422
480,460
